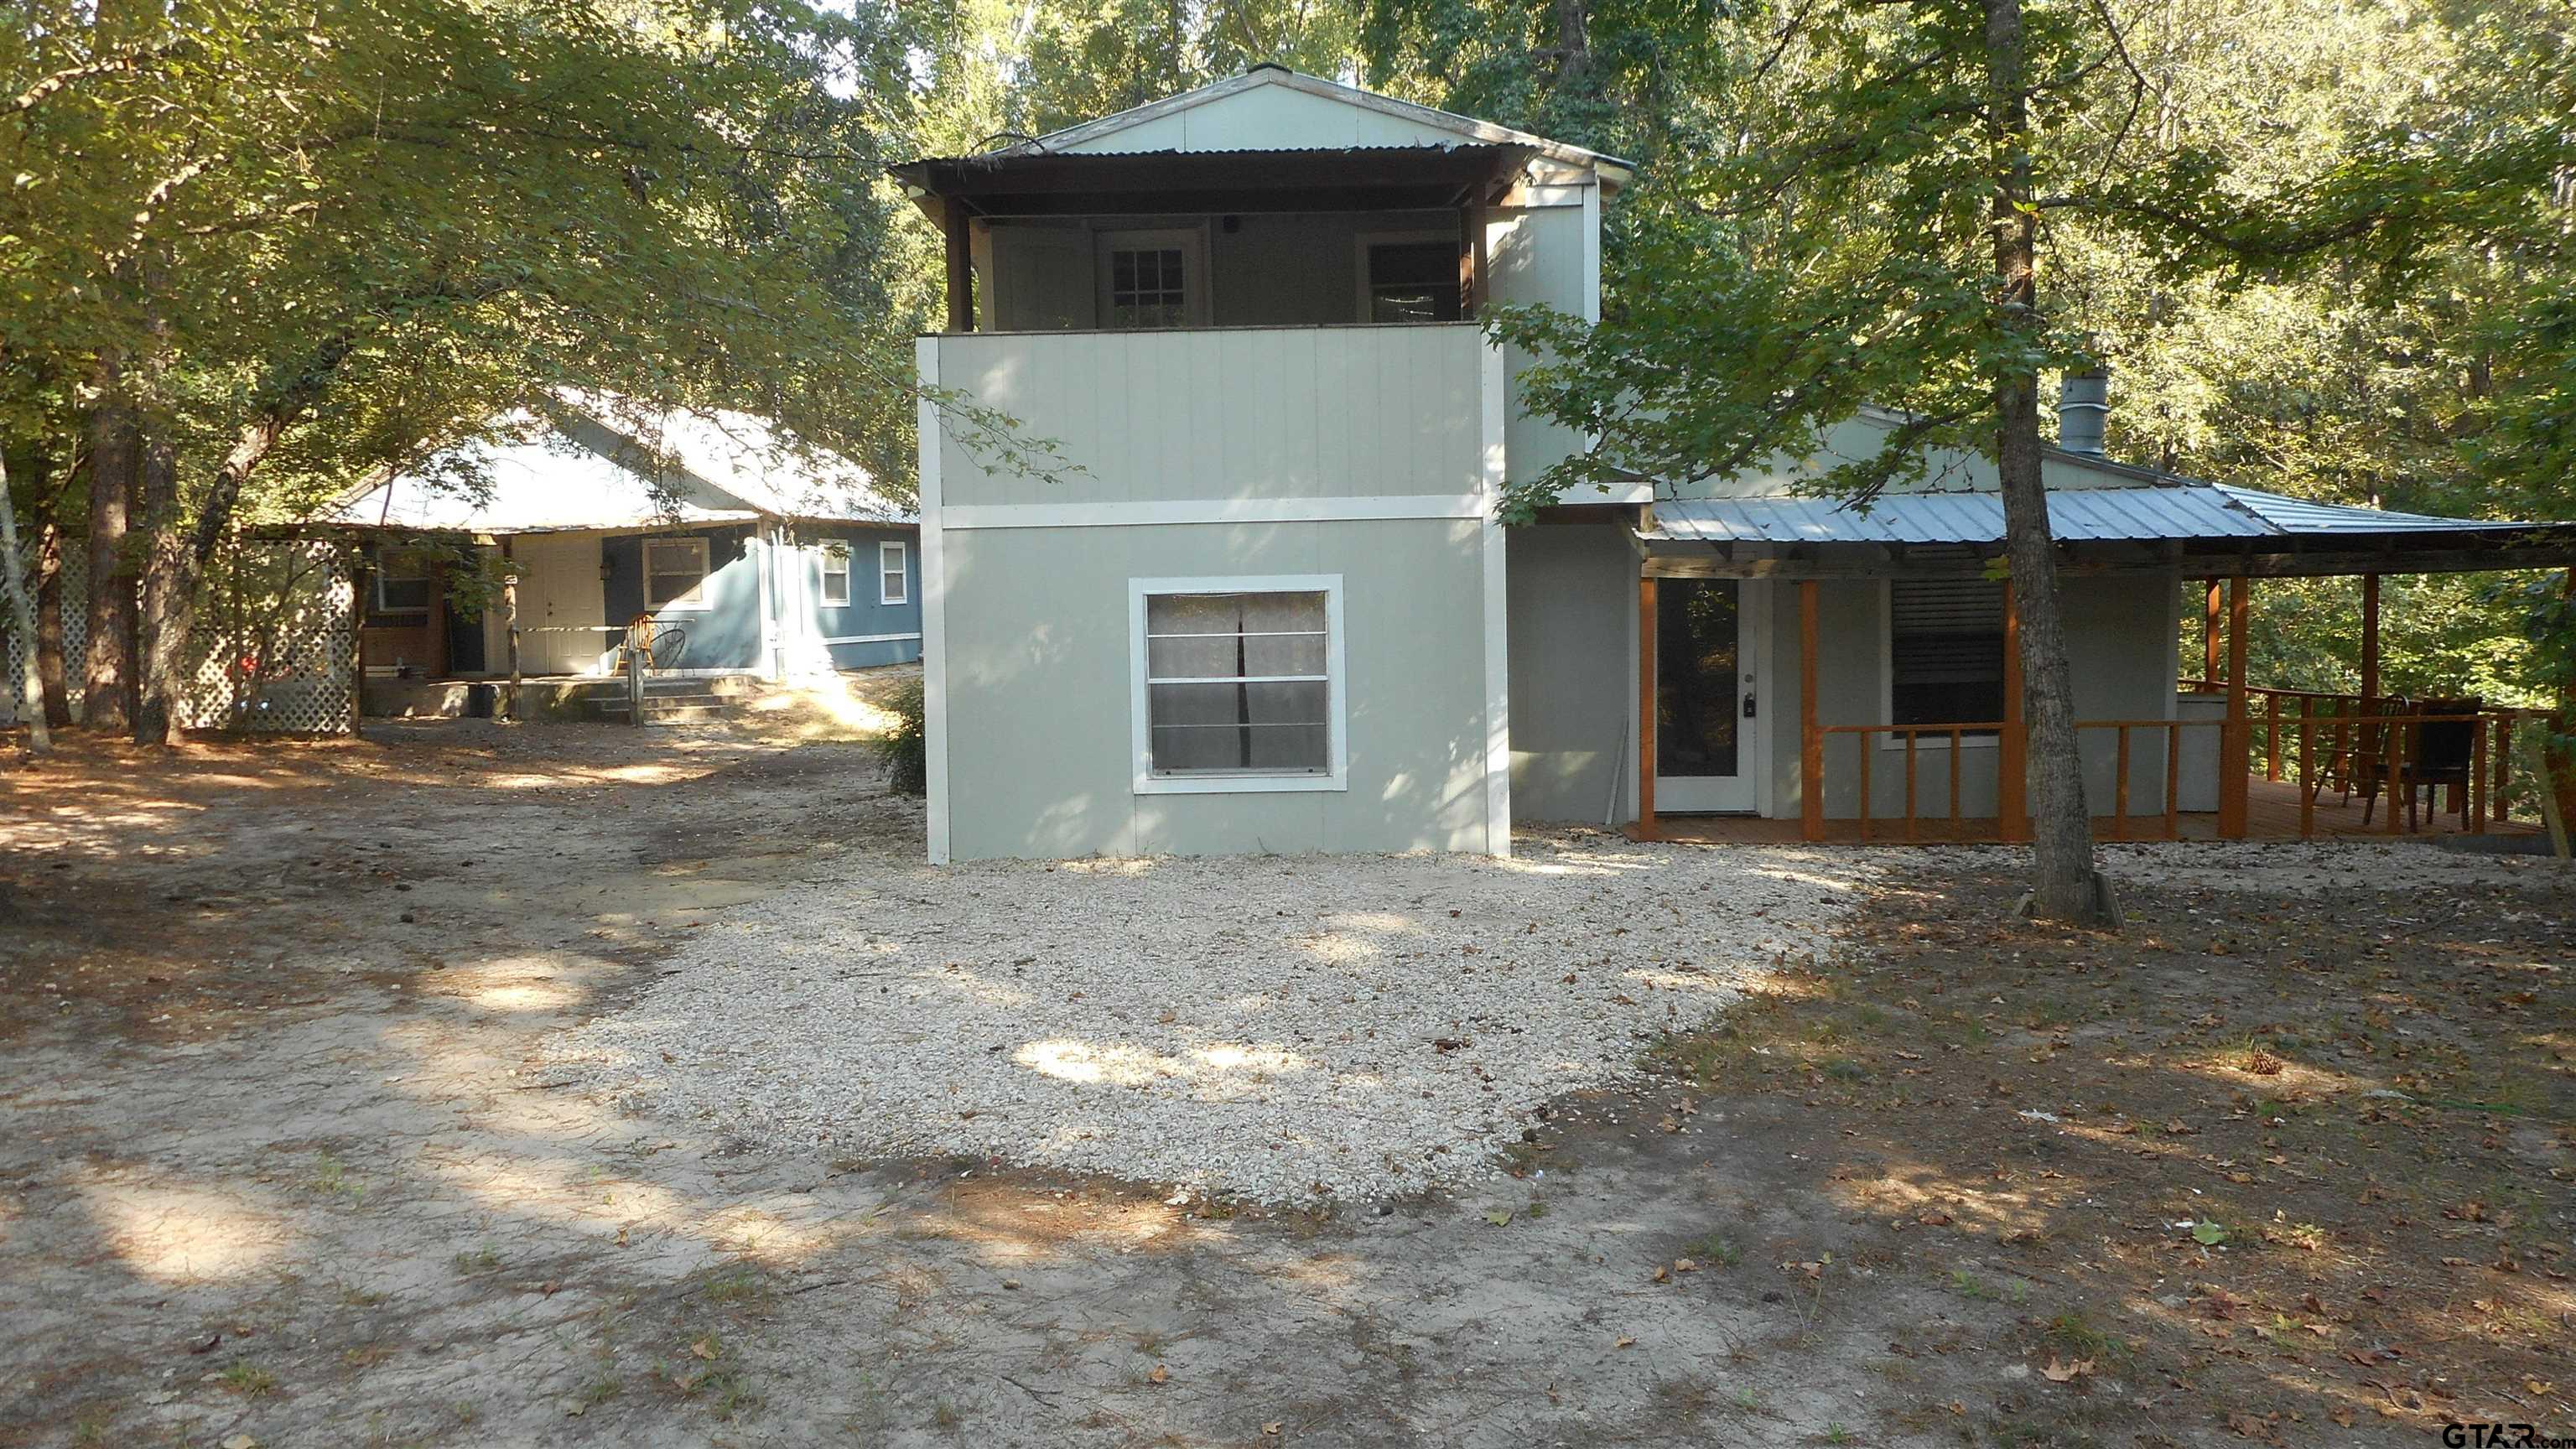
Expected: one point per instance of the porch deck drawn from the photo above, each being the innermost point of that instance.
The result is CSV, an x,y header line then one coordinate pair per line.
x,y
2272,813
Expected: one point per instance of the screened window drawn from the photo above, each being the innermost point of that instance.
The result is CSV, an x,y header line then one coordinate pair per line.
x,y
675,573
1945,651
1148,287
836,575
893,585
1415,281
1238,683
403,586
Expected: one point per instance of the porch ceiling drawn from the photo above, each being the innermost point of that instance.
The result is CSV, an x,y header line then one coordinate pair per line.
x,y
1362,178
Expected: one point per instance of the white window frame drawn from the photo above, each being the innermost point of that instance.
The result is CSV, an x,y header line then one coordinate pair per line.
x,y
1336,708
832,551
1366,295
695,601
1927,739
900,568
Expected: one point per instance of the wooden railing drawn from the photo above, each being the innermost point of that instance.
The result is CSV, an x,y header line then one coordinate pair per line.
x,y
2377,753
2274,717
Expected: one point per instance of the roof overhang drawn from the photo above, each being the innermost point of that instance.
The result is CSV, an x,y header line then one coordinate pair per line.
x,y
1366,178
2200,530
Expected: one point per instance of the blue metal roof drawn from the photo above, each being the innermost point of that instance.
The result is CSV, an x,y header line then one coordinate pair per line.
x,y
2191,512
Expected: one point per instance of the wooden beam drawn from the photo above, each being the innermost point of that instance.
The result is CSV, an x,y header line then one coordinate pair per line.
x,y
961,269
2012,753
2369,638
1811,733
2210,635
1645,709
510,617
2237,737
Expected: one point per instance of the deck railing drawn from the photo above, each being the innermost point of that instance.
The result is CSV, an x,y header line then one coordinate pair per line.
x,y
2277,718
2378,753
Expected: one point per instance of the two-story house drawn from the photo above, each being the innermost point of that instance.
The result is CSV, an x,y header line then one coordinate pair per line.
x,y
1273,610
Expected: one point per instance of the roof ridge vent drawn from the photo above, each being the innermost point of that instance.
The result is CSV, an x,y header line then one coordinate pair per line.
x,y
1258,66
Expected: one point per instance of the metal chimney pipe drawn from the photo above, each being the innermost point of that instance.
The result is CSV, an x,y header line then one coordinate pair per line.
x,y
2083,409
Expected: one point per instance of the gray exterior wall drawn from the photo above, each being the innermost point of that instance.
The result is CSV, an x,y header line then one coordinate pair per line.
x,y
1574,672
2120,641
1038,712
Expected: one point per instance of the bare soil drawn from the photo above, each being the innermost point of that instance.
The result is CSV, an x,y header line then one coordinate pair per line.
x,y
275,1162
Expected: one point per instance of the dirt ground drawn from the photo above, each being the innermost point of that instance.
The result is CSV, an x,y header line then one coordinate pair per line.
x,y
276,1166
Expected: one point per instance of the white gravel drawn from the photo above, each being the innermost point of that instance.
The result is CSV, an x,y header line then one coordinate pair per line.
x,y
1281,1028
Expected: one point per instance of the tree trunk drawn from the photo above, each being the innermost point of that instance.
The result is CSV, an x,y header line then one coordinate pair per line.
x,y
107,672
49,627
2065,884
176,570
22,616
162,628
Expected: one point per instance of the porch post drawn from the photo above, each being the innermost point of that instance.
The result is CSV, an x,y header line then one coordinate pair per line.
x,y
961,267
2369,640
2012,755
1811,731
1645,707
2237,738
510,617
2209,638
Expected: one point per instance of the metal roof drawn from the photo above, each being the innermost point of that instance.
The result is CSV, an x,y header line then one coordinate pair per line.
x,y
2188,512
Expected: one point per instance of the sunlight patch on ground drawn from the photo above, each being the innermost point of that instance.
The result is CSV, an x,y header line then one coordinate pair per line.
x,y
181,1235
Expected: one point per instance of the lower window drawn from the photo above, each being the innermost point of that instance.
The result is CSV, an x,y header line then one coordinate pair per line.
x,y
675,573
1238,683
1945,652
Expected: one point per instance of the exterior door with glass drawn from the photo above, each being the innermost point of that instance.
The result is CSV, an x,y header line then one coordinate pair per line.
x,y
1709,635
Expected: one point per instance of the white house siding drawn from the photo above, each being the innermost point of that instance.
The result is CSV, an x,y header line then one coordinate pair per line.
x,y
1268,118
1545,255
1037,690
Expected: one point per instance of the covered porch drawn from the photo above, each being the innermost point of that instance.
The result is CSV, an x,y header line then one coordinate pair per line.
x,y
2189,751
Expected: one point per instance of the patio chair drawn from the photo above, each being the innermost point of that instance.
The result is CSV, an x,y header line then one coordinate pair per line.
x,y
2445,752
2364,764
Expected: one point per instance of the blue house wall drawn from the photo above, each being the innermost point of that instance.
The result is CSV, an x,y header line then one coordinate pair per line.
x,y
869,631
726,633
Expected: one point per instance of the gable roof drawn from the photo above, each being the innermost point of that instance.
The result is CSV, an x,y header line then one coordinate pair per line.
x,y
1377,121
604,463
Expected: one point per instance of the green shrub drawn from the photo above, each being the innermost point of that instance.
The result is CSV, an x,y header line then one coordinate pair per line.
x,y
903,746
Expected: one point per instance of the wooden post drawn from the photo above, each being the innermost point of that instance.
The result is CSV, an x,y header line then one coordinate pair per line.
x,y
2369,641
961,267
1811,747
510,617
2209,638
2012,762
2236,741
1471,262
2308,782
1646,707
2120,788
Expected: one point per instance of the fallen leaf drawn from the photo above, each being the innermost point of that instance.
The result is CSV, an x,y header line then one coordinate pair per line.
x,y
1625,1343
206,1344
2061,1372
1935,1218
1685,1265
1159,1375
241,1441
1273,1427
705,1348
1499,1216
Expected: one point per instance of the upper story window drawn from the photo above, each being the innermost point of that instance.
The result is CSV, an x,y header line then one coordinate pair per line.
x,y
1411,279
1151,279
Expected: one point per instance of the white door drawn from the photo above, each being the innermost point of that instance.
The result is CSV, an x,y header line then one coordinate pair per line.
x,y
1709,702
562,604
1044,280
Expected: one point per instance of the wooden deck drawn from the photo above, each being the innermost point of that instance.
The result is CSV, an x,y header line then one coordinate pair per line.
x,y
2272,813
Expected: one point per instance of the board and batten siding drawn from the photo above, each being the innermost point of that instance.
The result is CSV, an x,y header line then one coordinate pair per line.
x,y
1368,455
1250,413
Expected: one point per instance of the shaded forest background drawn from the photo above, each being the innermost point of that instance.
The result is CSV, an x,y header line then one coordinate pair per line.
x,y
251,253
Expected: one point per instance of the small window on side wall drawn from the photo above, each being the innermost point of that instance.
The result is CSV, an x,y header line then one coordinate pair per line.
x,y
1945,651
836,575
894,580
1238,684
403,587
675,573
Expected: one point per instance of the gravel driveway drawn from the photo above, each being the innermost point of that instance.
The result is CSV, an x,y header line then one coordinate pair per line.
x,y
1284,1029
